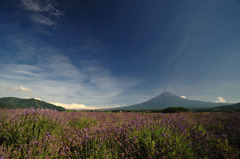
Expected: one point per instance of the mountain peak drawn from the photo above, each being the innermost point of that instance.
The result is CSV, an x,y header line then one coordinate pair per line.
x,y
167,94
168,99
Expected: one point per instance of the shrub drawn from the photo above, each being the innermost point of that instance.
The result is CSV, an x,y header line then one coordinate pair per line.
x,y
175,110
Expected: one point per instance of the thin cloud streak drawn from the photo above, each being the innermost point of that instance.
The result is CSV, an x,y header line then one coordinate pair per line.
x,y
58,80
54,76
42,12
41,6
43,20
63,67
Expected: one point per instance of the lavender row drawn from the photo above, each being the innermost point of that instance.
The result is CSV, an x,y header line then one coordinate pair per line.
x,y
31,133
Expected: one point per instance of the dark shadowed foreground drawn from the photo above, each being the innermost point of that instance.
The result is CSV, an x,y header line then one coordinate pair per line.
x,y
31,133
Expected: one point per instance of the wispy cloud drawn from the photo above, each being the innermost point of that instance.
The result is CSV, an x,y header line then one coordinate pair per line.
x,y
54,76
42,12
21,88
183,97
20,72
178,53
40,6
57,79
62,66
220,100
43,20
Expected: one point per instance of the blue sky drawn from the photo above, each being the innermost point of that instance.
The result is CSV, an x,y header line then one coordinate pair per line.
x,y
88,54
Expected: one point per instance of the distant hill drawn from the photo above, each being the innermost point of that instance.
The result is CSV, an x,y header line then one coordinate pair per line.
x,y
167,99
227,108
12,103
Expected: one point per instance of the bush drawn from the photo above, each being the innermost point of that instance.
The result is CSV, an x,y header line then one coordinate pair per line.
x,y
175,110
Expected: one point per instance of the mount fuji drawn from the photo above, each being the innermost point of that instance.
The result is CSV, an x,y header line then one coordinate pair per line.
x,y
168,99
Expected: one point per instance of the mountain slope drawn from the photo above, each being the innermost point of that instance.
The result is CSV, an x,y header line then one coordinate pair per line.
x,y
12,103
167,99
232,107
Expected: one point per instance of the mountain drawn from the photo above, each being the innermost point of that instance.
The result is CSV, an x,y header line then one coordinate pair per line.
x,y
167,99
227,108
12,103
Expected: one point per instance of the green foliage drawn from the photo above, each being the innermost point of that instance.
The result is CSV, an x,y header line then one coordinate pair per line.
x,y
23,132
82,123
175,110
71,111
227,108
163,142
13,103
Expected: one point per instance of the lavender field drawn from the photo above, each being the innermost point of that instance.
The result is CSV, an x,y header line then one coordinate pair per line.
x,y
30,133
